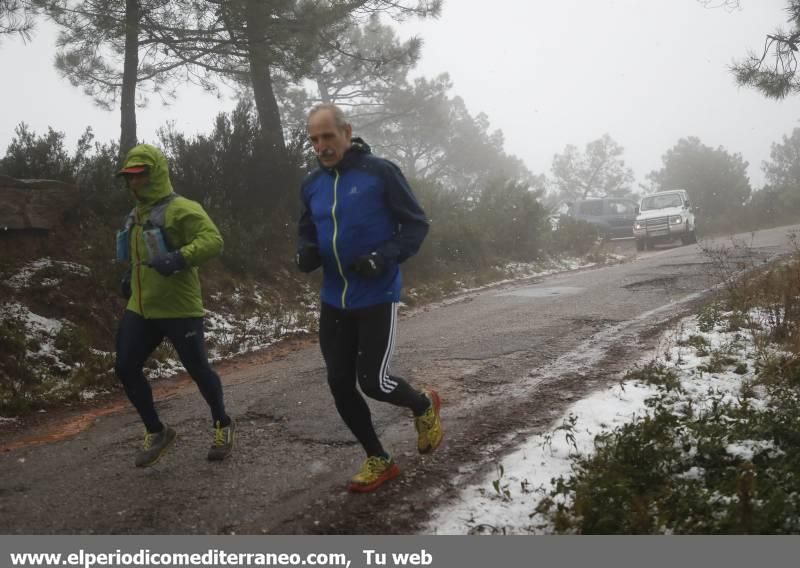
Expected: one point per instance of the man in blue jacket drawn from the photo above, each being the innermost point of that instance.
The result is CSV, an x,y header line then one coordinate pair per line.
x,y
359,221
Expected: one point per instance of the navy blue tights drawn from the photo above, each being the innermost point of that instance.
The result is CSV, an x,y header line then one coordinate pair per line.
x,y
138,337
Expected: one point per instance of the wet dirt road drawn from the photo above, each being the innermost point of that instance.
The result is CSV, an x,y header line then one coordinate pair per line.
x,y
506,361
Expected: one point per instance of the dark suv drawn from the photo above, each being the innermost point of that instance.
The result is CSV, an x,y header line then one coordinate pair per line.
x,y
613,216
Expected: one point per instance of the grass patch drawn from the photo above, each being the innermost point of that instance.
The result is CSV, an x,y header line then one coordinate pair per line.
x,y
700,344
654,373
719,361
710,316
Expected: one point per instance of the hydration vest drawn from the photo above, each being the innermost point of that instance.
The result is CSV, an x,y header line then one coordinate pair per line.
x,y
158,214
156,222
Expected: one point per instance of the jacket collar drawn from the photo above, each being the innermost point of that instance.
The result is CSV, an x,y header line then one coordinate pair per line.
x,y
357,150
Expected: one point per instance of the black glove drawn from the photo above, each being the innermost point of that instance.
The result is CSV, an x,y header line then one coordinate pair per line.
x,y
371,265
308,258
167,264
125,285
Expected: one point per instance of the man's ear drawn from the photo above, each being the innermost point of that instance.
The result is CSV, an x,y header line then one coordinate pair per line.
x,y
348,130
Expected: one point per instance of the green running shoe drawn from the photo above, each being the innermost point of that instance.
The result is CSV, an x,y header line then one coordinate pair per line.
x,y
223,441
154,446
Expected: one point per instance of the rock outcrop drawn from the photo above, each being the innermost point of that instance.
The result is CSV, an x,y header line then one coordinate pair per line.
x,y
34,203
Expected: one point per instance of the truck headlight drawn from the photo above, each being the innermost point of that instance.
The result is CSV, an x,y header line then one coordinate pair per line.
x,y
637,225
676,220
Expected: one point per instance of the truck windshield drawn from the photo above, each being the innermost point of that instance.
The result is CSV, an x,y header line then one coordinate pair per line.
x,y
661,201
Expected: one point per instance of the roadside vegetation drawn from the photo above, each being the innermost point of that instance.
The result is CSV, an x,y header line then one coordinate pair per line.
x,y
718,448
59,299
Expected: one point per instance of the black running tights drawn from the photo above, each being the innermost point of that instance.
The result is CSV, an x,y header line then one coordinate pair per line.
x,y
357,346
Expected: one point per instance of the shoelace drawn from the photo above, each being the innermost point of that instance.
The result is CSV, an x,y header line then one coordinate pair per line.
x,y
375,464
148,440
219,435
427,420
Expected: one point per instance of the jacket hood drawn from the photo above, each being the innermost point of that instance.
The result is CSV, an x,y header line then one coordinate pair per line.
x,y
358,146
357,149
159,186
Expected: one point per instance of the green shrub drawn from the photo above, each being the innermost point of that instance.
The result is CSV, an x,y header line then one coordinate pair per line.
x,y
654,373
18,376
573,236
674,473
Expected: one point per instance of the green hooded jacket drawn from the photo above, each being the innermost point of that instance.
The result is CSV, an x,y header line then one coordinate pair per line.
x,y
188,228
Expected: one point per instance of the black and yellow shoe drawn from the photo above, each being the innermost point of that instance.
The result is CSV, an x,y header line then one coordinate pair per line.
x,y
375,472
223,441
429,425
154,446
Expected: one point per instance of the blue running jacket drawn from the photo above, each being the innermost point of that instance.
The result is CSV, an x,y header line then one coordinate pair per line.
x,y
362,205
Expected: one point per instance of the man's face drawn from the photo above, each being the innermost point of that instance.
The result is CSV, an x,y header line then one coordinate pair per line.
x,y
330,142
135,182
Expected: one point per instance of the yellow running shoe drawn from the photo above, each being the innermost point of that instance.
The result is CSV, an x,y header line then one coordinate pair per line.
x,y
429,425
375,472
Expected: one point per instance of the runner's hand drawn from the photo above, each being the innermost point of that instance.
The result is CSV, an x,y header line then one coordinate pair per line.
x,y
167,264
371,265
125,285
308,258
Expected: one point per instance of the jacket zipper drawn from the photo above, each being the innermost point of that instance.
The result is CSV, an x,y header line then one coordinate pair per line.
x,y
335,233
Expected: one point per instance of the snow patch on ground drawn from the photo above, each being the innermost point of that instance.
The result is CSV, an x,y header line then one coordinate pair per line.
x,y
42,330
527,473
23,277
505,500
516,271
522,270
230,334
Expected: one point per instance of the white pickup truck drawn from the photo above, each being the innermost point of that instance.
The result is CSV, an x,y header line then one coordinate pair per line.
x,y
664,217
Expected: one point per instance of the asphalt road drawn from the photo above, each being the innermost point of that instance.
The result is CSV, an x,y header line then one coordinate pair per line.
x,y
506,360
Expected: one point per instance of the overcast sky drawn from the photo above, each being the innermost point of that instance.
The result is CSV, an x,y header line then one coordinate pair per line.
x,y
547,73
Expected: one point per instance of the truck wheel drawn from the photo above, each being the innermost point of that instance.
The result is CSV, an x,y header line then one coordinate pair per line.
x,y
689,238
648,244
640,245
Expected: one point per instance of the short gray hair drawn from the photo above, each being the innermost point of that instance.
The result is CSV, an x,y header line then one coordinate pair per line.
x,y
338,114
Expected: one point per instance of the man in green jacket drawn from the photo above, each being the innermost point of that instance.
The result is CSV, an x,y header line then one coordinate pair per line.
x,y
166,237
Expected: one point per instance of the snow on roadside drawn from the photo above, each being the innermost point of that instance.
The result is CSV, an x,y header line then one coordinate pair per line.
x,y
528,471
516,271
34,323
23,277
505,500
41,330
229,335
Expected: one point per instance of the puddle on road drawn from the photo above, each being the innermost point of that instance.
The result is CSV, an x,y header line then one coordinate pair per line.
x,y
661,282
536,292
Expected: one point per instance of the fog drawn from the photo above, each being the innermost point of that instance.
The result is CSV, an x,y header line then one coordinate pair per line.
x,y
547,74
